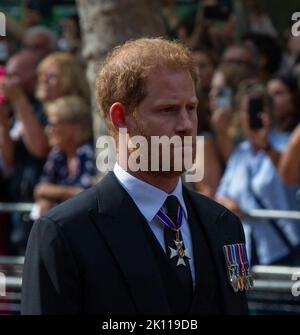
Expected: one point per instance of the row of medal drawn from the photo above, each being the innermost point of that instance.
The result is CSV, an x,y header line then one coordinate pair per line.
x,y
238,267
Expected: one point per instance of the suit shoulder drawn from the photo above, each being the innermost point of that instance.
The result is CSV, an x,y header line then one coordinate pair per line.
x,y
74,209
207,204
72,216
215,211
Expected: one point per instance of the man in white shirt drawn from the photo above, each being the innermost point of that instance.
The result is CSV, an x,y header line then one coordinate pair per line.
x,y
139,242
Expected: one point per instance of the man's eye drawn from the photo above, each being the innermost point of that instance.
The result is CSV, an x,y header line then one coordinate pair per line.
x,y
191,108
168,110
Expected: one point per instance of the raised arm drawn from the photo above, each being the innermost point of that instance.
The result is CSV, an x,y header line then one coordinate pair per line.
x,y
289,164
33,132
6,143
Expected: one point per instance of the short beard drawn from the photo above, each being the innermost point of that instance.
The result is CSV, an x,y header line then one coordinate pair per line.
x,y
171,173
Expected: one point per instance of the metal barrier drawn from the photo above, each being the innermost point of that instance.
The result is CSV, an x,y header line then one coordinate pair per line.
x,y
274,285
254,213
273,214
276,289
21,207
11,268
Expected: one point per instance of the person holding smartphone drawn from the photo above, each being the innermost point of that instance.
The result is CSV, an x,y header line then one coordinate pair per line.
x,y
22,122
225,83
251,181
219,140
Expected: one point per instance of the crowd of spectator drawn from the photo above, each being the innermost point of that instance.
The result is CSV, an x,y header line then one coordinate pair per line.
x,y
249,116
46,139
248,113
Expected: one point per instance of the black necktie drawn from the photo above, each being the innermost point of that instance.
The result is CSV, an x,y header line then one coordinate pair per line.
x,y
183,271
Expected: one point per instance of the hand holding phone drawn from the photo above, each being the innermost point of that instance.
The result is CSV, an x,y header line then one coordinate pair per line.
x,y
259,123
224,98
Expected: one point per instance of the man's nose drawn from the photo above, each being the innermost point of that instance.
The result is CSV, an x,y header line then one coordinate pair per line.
x,y
185,122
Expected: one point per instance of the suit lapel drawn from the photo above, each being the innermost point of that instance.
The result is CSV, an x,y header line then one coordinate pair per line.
x,y
196,253
120,223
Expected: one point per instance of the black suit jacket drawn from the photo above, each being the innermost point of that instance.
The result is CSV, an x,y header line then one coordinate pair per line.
x,y
90,255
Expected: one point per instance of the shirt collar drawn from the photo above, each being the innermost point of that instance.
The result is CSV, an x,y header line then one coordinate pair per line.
x,y
148,198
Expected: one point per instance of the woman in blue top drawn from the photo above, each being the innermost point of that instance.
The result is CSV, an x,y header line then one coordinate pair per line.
x,y
70,166
251,181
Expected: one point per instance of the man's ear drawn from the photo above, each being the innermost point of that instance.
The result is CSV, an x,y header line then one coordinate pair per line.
x,y
117,114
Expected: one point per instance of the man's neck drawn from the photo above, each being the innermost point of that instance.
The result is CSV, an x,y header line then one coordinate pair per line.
x,y
156,179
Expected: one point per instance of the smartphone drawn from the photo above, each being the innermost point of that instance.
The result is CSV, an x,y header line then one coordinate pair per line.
x,y
224,98
255,108
2,96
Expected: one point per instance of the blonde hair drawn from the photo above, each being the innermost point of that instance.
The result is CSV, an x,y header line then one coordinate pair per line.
x,y
73,77
123,75
72,109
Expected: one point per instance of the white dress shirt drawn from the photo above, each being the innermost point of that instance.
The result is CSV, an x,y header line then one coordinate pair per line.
x,y
149,200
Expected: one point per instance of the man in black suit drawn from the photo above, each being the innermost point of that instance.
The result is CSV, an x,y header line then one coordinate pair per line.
x,y
138,242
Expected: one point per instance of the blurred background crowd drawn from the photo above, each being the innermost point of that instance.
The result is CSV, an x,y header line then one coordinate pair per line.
x,y
249,114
